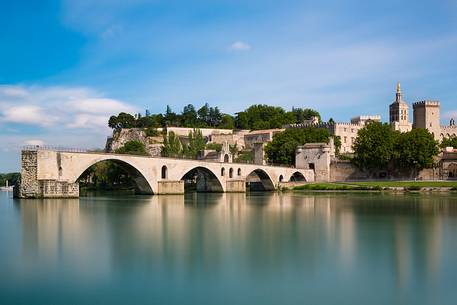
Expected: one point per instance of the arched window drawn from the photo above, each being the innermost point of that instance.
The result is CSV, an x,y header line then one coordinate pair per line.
x,y
226,158
281,178
239,172
222,171
164,172
231,173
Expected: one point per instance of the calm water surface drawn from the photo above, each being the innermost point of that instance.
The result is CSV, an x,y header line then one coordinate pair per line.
x,y
230,249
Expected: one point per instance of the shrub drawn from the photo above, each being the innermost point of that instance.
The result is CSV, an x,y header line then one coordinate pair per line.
x,y
214,146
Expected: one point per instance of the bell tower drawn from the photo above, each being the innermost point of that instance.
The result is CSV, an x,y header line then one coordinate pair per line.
x,y
398,113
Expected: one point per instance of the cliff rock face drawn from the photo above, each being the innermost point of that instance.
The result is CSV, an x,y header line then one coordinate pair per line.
x,y
152,144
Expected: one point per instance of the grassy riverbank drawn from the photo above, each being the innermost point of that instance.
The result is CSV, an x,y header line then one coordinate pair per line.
x,y
379,186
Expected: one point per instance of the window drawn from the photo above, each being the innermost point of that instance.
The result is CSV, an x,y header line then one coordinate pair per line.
x,y
345,139
311,165
239,172
231,173
281,178
222,171
164,172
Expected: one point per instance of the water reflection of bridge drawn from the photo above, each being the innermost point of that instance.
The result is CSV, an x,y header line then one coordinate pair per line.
x,y
274,233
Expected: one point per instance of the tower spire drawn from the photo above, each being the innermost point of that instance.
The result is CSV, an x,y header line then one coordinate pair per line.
x,y
398,98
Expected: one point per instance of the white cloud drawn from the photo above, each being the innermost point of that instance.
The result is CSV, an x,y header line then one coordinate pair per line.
x,y
240,46
88,121
27,114
63,107
13,91
99,105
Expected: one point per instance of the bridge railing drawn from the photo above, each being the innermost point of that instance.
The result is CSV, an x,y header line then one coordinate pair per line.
x,y
52,148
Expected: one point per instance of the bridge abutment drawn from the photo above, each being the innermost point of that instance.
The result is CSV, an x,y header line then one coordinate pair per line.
x,y
31,187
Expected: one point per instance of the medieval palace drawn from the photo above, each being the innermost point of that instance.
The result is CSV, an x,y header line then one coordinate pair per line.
x,y
426,114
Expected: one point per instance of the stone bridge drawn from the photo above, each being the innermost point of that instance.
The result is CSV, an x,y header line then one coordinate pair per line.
x,y
48,173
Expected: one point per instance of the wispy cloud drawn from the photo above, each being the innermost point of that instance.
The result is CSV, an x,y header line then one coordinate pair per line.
x,y
240,46
450,114
62,107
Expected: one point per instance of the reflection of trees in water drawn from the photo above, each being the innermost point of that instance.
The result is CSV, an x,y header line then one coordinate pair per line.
x,y
262,235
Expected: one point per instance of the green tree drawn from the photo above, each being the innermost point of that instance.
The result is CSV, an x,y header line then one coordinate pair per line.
x,y
262,117
282,149
302,114
449,142
172,146
203,115
147,122
123,120
337,142
170,117
132,148
374,146
227,122
414,150
196,143
189,116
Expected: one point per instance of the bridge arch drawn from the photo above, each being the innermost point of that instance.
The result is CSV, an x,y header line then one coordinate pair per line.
x,y
260,180
143,185
205,179
297,176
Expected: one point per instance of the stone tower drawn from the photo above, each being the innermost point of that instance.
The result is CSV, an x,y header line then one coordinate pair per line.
x,y
427,115
398,113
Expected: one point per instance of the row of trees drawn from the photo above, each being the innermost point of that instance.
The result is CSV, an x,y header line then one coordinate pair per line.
x,y
379,148
255,117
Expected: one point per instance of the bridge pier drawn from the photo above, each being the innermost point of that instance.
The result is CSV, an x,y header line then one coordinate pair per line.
x,y
236,186
170,187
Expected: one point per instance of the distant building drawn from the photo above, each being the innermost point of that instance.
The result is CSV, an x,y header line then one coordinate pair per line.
x,y
260,136
398,113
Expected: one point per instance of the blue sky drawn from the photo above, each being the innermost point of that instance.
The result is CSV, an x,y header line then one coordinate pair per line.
x,y
65,66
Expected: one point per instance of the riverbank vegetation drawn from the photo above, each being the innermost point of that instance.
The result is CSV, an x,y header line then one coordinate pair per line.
x,y
11,177
377,185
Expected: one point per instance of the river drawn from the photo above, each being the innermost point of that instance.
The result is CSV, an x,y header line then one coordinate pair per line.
x,y
323,248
